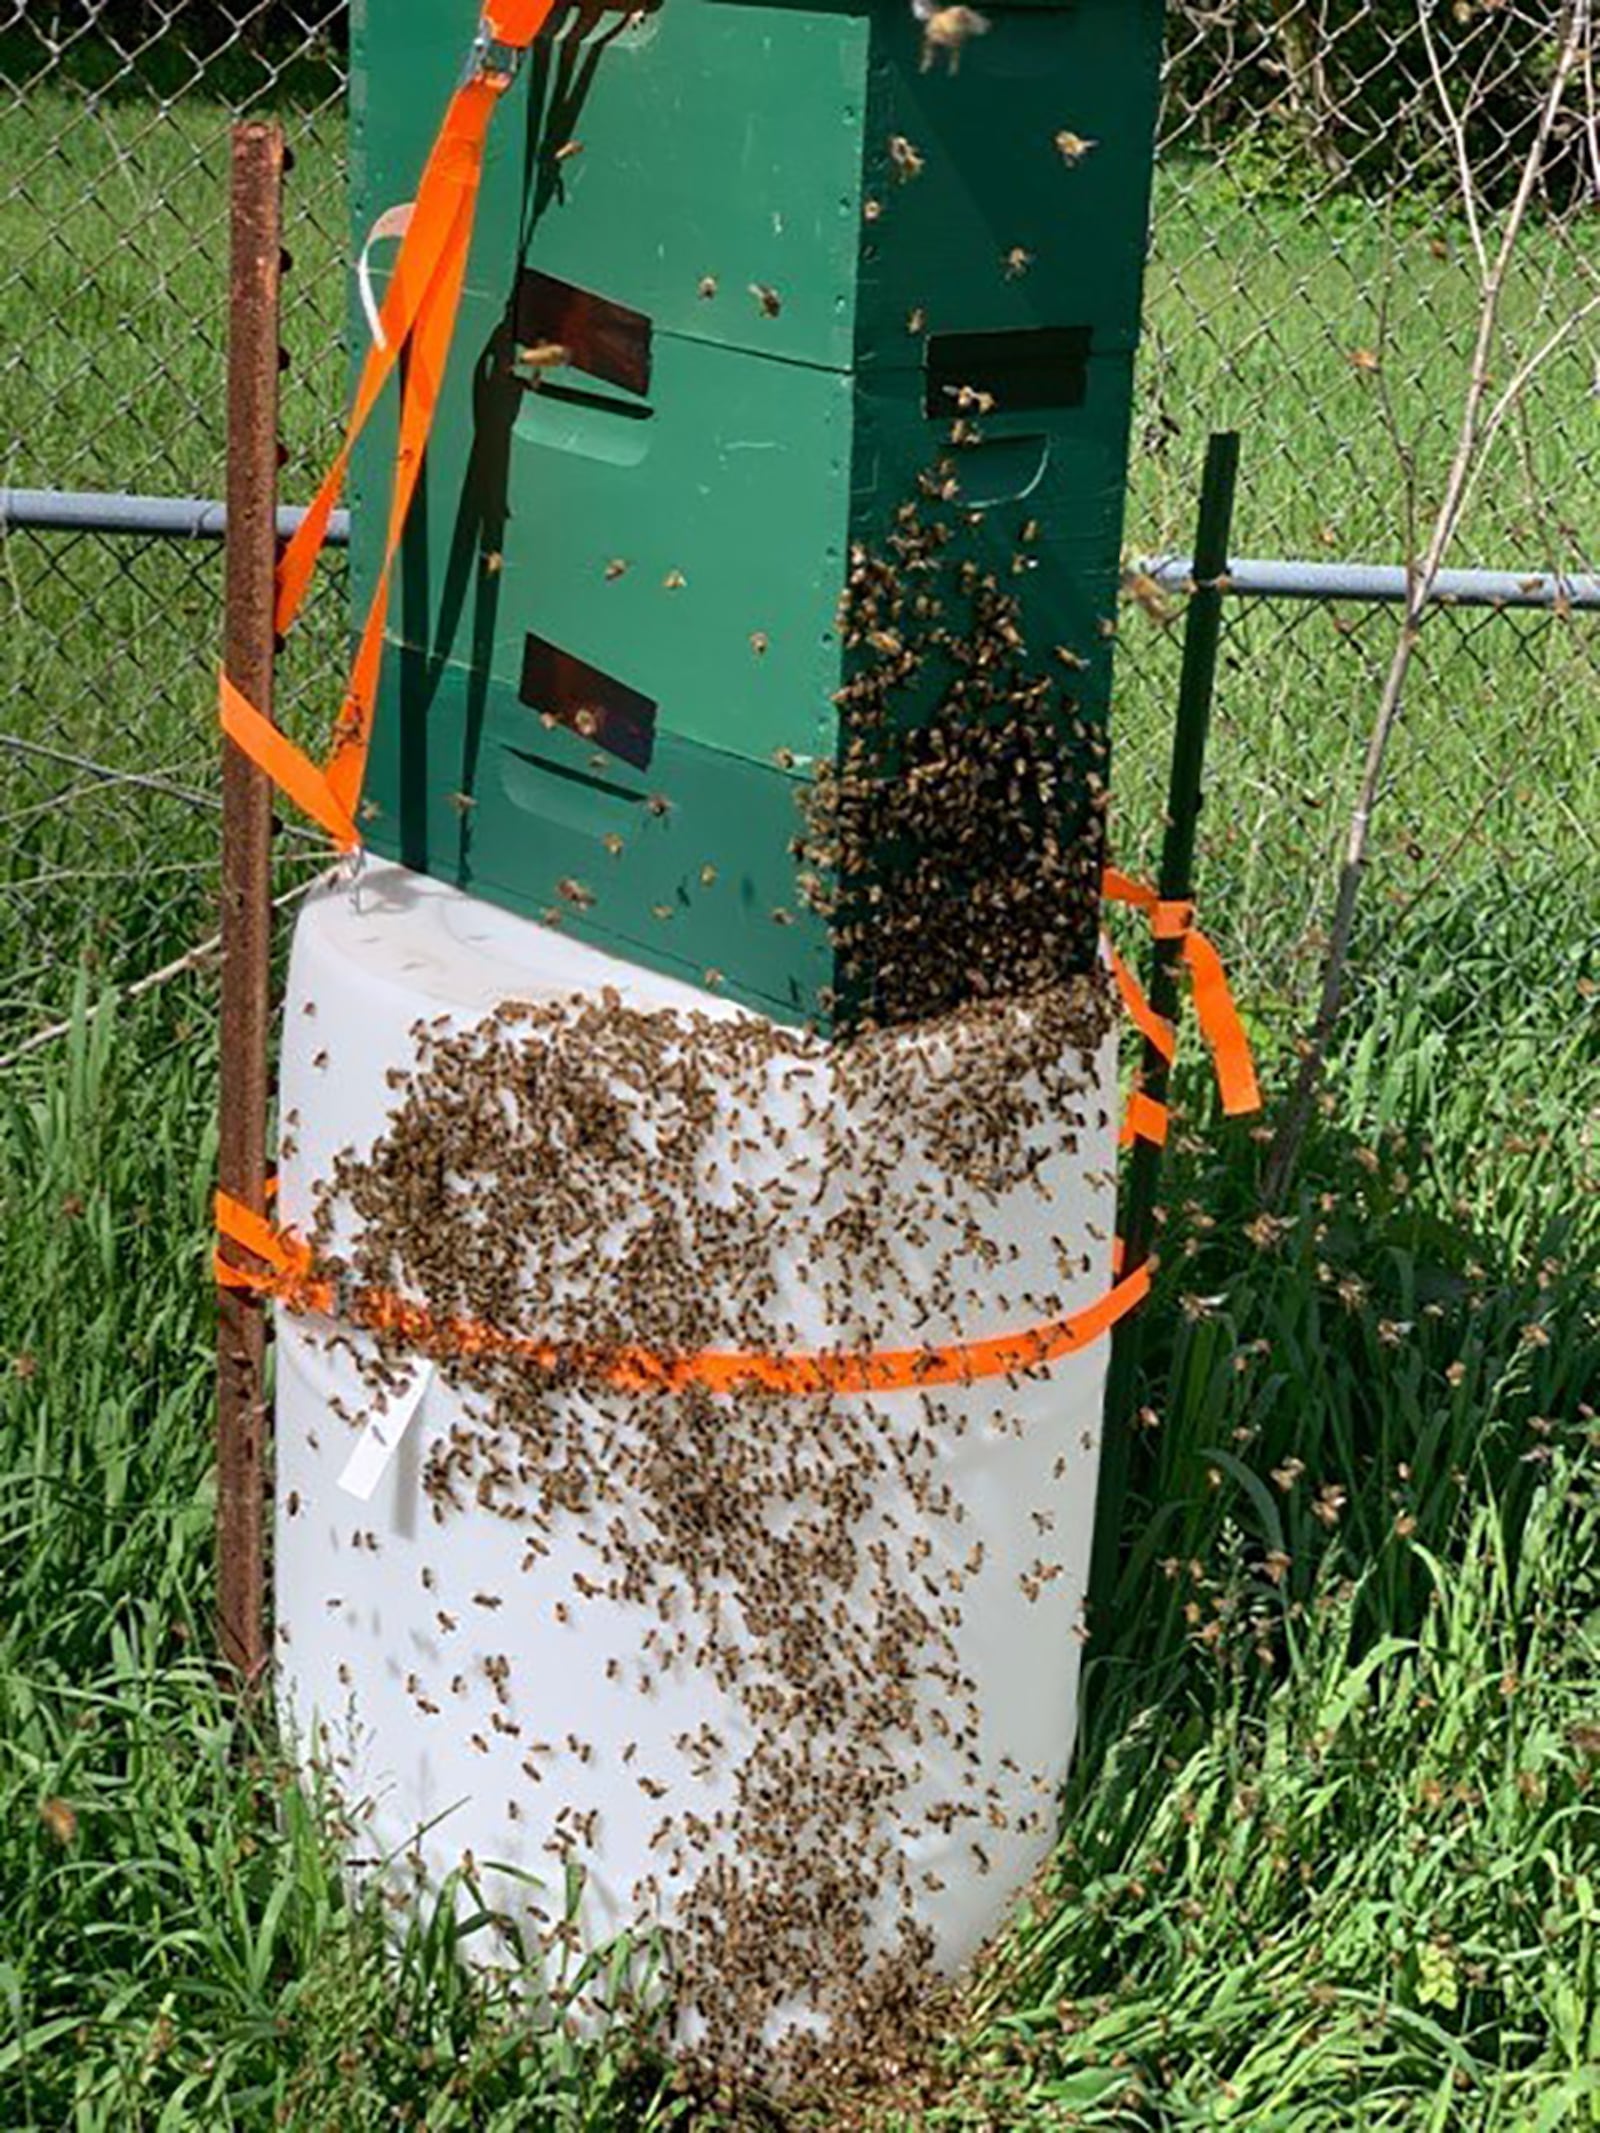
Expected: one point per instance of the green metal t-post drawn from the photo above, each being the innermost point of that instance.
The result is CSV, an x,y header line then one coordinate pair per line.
x,y
1185,796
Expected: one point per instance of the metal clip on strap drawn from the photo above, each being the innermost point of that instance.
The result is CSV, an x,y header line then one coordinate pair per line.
x,y
491,59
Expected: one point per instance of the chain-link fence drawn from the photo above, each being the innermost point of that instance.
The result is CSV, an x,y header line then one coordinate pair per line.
x,y
1335,180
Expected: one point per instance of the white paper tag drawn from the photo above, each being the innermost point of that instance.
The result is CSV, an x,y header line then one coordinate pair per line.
x,y
381,1438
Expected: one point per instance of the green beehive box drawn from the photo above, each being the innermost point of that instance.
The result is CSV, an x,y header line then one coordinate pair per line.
x,y
806,271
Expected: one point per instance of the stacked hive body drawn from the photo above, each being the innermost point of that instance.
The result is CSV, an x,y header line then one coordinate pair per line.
x,y
741,273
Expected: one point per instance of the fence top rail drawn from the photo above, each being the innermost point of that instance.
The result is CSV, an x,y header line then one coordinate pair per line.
x,y
1264,578
200,518
172,518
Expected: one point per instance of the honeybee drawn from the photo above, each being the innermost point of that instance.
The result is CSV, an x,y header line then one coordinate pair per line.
x,y
1072,147
947,29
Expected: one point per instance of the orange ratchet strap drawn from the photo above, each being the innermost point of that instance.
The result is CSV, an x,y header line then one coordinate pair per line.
x,y
287,1271
1143,1119
417,318
1172,920
288,1275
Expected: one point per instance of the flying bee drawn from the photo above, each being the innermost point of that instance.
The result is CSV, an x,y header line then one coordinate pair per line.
x,y
1143,590
947,30
544,355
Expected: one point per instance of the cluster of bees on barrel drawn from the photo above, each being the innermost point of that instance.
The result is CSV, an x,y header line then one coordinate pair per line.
x,y
605,1177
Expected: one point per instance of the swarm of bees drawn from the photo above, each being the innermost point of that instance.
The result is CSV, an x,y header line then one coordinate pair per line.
x,y
609,1178
955,849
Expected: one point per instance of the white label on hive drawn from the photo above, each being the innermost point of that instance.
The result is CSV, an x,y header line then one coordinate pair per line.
x,y
381,1438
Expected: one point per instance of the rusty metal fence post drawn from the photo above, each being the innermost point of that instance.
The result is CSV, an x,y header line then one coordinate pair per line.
x,y
255,275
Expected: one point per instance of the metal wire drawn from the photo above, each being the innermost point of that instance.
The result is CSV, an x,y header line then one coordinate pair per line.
x,y
1327,172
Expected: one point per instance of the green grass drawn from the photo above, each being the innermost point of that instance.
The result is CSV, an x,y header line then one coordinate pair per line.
x,y
1493,783
112,305
1333,1844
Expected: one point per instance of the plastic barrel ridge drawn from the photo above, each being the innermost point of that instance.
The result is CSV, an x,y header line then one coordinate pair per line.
x,y
436,1665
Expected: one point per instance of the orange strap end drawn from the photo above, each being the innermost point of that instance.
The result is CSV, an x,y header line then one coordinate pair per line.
x,y
1221,1027
1155,1028
1173,919
287,1271
1144,1120
289,768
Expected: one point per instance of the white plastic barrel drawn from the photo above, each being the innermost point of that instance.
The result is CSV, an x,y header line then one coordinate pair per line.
x,y
435,1669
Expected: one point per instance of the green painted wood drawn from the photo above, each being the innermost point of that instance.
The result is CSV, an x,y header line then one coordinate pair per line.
x,y
802,211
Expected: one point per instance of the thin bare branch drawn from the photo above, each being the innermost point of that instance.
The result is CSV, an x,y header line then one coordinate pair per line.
x,y
194,958
1471,444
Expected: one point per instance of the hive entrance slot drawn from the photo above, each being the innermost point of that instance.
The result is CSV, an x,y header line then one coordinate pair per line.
x,y
1014,371
603,339
588,702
